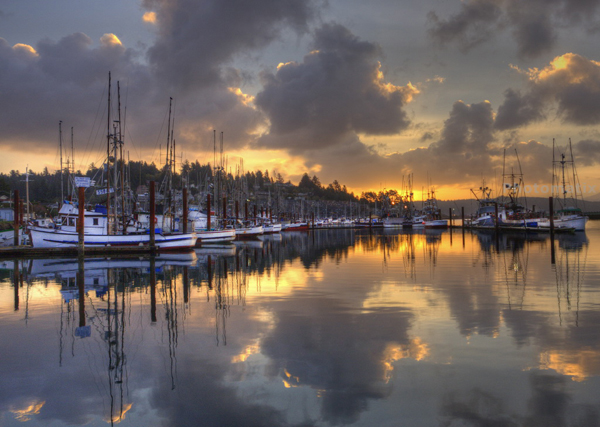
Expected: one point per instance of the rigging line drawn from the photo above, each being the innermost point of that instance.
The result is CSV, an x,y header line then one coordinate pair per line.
x,y
90,138
159,136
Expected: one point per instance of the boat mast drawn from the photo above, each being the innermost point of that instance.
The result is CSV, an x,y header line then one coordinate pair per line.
x,y
122,166
108,228
71,181
62,196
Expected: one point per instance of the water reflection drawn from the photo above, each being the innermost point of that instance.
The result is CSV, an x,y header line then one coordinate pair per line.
x,y
339,327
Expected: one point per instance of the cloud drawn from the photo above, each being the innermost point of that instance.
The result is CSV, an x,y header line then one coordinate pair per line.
x,y
570,82
534,24
587,152
337,91
470,27
196,39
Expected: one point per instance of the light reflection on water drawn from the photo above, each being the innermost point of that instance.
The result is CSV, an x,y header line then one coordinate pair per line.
x,y
333,327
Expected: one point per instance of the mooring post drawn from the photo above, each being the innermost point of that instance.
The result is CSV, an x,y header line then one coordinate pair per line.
x,y
16,217
81,219
185,210
237,211
255,214
224,211
16,280
152,220
208,212
450,216
497,227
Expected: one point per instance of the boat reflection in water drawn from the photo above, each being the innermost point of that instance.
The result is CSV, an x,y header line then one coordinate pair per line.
x,y
331,327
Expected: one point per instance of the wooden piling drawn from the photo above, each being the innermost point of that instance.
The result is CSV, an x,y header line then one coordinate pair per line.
x,y
81,220
185,211
208,212
152,220
16,280
450,216
16,217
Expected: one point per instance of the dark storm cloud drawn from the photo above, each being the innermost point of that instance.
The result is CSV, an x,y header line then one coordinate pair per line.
x,y
571,83
336,91
533,23
196,38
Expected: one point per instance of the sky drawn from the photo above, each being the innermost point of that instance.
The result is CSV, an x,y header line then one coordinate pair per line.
x,y
450,93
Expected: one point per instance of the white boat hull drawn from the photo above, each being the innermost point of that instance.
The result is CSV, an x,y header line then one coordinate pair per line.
x,y
249,232
49,238
215,236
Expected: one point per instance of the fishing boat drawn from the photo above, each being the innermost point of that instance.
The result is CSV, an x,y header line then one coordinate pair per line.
x,y
248,231
432,214
485,216
205,235
96,233
295,226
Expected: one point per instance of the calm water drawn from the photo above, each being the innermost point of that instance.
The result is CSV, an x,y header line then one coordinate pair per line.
x,y
330,328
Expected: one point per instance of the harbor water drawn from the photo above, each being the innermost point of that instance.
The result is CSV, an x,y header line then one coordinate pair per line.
x,y
322,328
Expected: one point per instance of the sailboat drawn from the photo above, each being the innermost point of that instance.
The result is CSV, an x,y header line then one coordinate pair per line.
x,y
568,217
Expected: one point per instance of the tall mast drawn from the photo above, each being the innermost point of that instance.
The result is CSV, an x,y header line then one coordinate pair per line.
x,y
122,166
108,160
62,196
72,163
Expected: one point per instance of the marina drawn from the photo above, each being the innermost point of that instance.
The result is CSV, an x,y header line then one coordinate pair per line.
x,y
419,325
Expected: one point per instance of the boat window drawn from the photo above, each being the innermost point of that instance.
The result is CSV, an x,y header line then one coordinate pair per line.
x,y
95,221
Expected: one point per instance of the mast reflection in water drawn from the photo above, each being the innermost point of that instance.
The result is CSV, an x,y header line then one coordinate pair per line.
x,y
332,327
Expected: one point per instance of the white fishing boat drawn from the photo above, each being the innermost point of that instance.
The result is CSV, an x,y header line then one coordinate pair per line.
x,y
249,232
199,221
272,228
96,233
432,214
